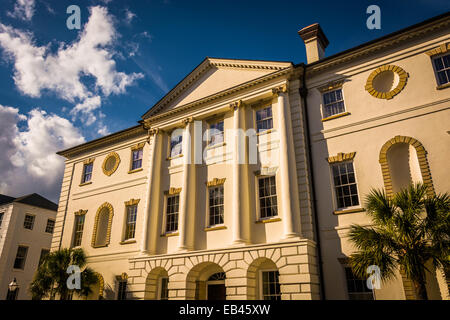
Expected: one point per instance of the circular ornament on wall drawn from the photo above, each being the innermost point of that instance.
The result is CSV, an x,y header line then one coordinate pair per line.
x,y
111,163
386,81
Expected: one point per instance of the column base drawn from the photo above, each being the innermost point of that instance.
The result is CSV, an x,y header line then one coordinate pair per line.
x,y
239,243
291,237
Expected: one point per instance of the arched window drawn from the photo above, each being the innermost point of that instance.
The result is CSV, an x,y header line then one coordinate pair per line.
x,y
102,226
404,161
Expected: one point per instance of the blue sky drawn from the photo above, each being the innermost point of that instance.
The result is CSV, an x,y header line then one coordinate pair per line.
x,y
146,47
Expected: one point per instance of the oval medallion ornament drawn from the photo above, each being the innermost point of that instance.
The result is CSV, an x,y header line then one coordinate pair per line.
x,y
386,81
111,163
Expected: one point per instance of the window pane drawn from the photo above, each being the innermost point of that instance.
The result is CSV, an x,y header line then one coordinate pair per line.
x,y
264,119
345,184
438,64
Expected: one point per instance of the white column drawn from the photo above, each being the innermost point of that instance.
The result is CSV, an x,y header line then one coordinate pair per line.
x,y
239,156
288,172
149,230
187,196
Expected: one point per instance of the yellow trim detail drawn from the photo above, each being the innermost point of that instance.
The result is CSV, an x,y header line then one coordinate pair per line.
x,y
402,74
343,114
108,231
423,163
116,165
340,157
215,182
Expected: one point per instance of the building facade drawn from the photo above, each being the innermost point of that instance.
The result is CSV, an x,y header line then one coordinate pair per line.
x,y
26,229
225,188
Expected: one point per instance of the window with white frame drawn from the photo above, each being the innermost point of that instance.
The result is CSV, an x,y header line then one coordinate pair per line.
x,y
267,197
215,205
172,209
270,285
442,68
130,227
50,226
176,143
264,119
356,287
164,288
333,103
28,223
78,230
21,256
136,159
87,172
215,133
345,186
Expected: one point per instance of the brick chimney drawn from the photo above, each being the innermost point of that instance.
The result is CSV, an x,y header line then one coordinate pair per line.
x,y
315,42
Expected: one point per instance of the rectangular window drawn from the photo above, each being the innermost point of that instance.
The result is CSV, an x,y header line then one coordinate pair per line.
x,y
215,133
78,230
267,197
44,253
50,226
264,120
172,213
270,285
176,143
28,223
215,205
130,228
1,218
356,287
21,256
164,289
137,159
122,292
333,103
442,68
345,185
87,172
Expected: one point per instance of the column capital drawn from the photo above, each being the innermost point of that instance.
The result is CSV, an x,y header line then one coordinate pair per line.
x,y
187,120
236,104
153,131
280,89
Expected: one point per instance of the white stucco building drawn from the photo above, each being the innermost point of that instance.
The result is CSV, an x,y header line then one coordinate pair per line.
x,y
26,229
182,207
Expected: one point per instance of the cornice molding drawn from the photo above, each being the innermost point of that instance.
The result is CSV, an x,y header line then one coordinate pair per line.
x,y
219,95
208,64
105,141
377,46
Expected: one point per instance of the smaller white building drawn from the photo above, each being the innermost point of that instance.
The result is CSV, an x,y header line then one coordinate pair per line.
x,y
26,229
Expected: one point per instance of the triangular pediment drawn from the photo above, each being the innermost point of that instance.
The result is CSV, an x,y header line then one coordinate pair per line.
x,y
212,76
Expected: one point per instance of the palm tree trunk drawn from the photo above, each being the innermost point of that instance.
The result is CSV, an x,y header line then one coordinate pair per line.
x,y
421,289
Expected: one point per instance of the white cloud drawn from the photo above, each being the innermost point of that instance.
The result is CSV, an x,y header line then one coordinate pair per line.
x,y
28,162
129,16
37,69
23,9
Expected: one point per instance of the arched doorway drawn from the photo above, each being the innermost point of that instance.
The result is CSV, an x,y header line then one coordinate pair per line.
x,y
263,280
215,287
208,280
157,285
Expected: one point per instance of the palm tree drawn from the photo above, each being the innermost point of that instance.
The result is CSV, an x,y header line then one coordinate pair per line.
x,y
51,277
409,230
